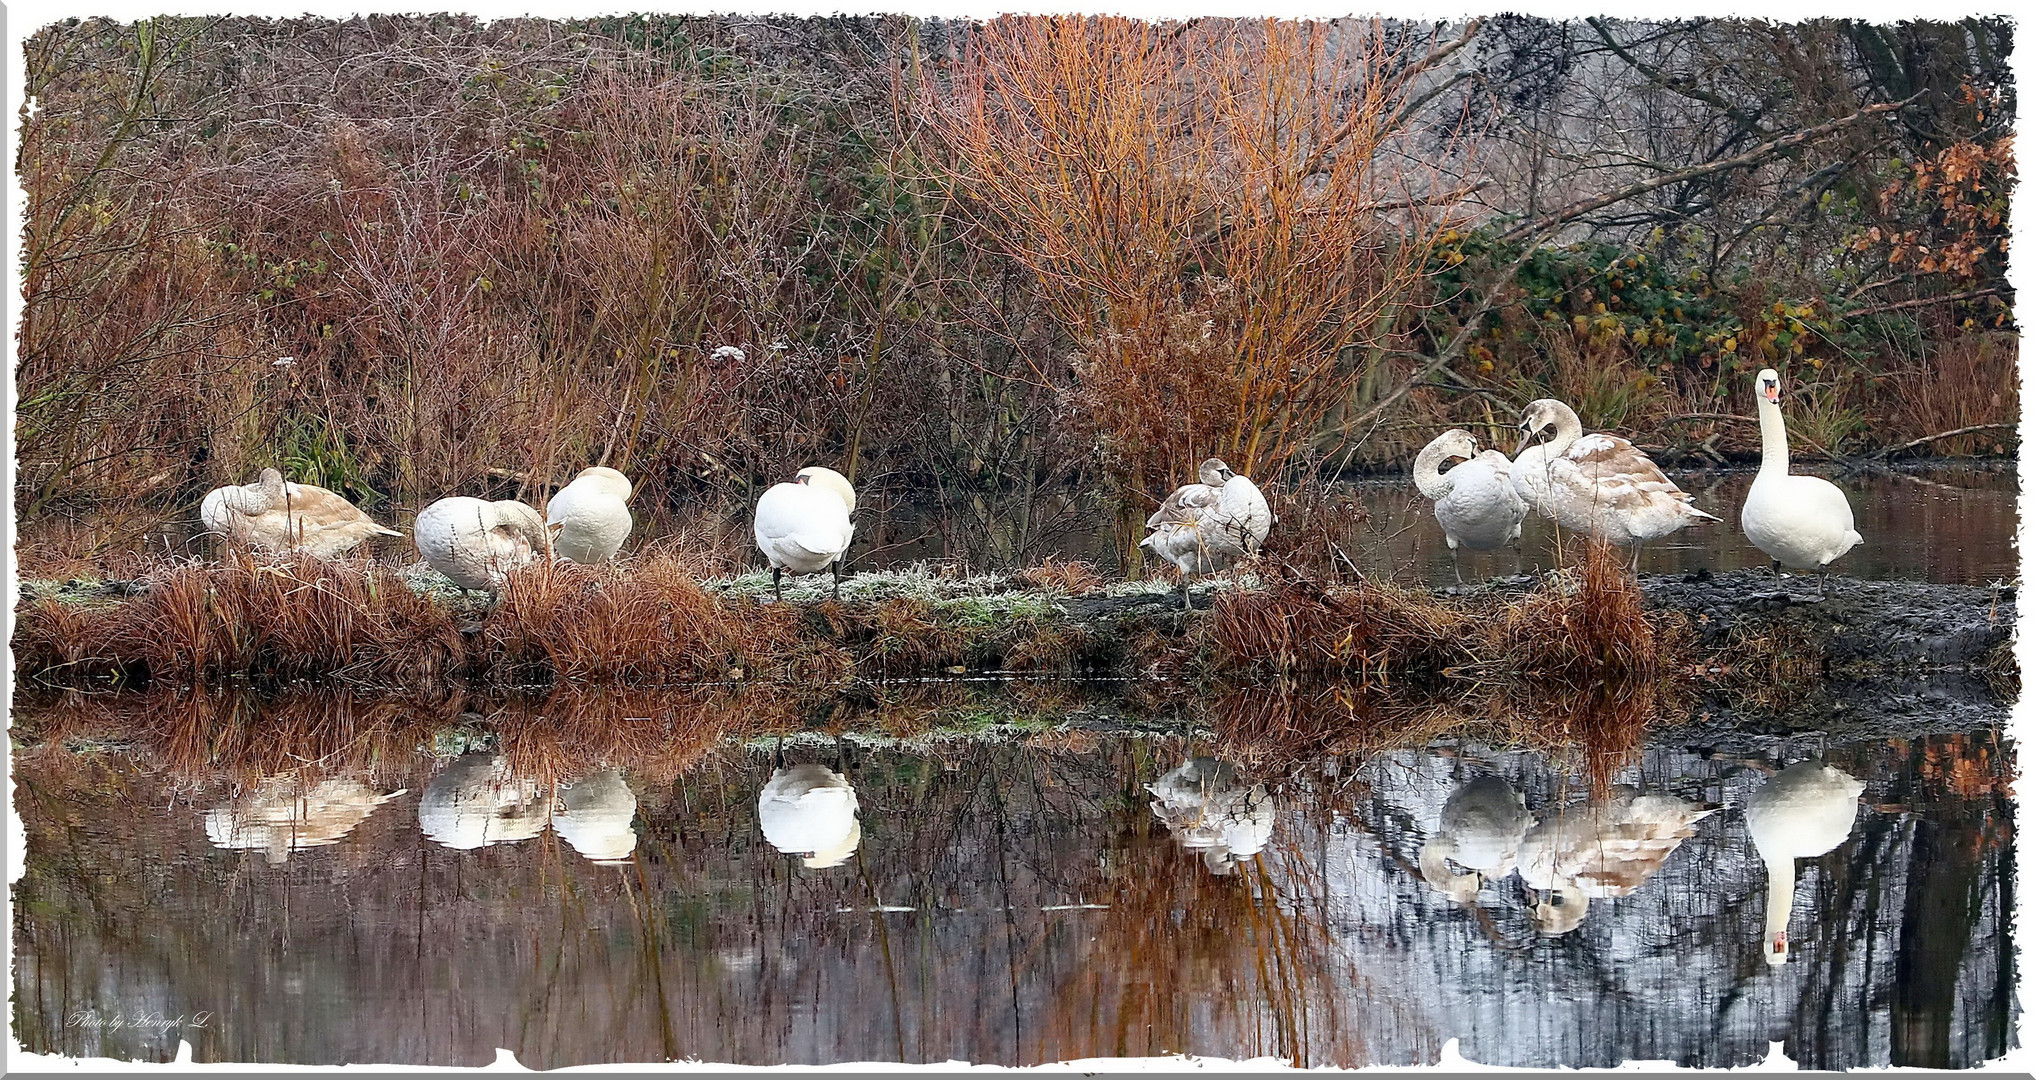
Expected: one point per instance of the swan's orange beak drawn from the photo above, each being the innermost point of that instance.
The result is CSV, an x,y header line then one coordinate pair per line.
x,y
1778,948
1771,391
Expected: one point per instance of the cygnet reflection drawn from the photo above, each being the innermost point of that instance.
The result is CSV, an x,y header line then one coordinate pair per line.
x,y
474,802
1481,828
1606,848
1208,807
1804,811
810,811
281,814
594,815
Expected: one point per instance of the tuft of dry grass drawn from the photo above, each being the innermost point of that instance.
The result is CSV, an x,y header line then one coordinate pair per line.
x,y
1587,622
295,617
650,620
1066,577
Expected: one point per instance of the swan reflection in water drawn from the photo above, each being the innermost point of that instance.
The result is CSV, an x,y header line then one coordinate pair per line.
x,y
595,814
1804,811
1481,829
1605,848
809,811
476,802
1208,807
282,815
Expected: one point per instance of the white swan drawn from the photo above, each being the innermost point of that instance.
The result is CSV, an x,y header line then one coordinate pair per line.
x,y
474,802
1203,527
1606,848
594,814
1475,501
282,815
1599,485
476,542
803,526
589,518
1481,828
1804,811
809,811
1803,522
1207,807
277,516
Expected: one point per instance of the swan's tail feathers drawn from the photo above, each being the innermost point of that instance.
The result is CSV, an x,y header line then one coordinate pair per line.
x,y
1853,537
384,530
1700,515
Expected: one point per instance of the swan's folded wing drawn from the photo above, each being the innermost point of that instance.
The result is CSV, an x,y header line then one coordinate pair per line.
x,y
1611,460
1185,506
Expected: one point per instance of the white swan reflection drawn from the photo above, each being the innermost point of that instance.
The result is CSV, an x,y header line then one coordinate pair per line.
x,y
594,814
810,811
1208,807
1606,848
1804,811
1481,829
281,814
475,802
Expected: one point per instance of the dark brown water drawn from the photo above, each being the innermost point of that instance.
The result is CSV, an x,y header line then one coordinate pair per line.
x,y
1007,900
1946,525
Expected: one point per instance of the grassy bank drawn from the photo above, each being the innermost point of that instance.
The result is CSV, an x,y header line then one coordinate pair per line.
x,y
655,621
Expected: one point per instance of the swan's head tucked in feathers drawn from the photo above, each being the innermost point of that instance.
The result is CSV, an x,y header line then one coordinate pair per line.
x,y
605,480
827,479
1767,386
1214,473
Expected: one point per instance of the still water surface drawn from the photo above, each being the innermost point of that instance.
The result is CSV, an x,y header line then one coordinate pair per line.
x,y
1952,525
1012,900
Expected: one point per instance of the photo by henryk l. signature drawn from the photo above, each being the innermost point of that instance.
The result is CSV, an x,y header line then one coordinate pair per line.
x,y
92,1018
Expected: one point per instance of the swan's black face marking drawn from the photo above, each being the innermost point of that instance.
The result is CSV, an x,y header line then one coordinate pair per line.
x,y
1771,390
801,479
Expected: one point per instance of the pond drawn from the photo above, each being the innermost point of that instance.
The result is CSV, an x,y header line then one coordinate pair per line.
x,y
1008,898
1950,525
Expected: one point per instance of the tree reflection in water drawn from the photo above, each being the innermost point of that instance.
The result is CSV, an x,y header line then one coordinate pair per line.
x,y
1012,900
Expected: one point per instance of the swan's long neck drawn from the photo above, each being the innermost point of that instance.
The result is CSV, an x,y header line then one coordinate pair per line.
x,y
1774,438
1568,429
1781,896
1428,474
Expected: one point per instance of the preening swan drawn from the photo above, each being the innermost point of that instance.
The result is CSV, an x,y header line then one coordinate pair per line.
x,y
803,526
1599,485
282,815
1804,811
277,516
1475,501
1210,808
1203,527
1803,522
589,518
1481,828
476,542
1604,849
809,811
